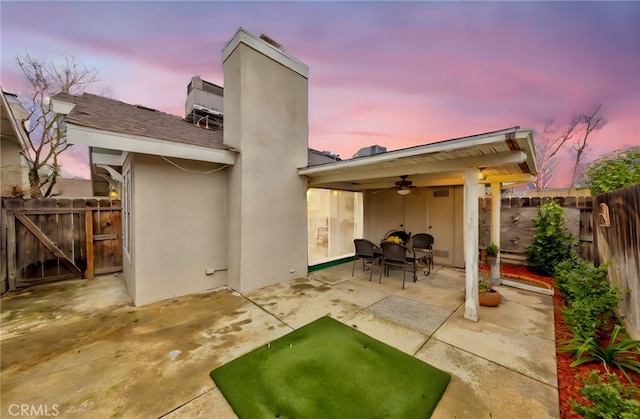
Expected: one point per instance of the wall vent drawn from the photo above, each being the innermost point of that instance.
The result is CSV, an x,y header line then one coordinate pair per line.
x,y
441,193
441,253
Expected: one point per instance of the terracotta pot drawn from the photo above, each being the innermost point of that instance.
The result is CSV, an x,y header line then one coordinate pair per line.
x,y
490,298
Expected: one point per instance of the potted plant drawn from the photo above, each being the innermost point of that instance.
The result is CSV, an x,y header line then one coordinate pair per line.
x,y
487,295
491,252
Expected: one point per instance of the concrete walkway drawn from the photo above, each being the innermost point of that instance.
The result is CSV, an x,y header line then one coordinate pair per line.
x,y
79,349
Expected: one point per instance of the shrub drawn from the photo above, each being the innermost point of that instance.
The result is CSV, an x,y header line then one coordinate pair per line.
x,y
621,354
589,296
492,249
609,400
551,243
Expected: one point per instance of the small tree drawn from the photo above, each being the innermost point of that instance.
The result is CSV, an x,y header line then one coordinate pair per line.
x,y
551,243
45,130
614,171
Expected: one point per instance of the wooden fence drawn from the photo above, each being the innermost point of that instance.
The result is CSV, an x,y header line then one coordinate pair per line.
x,y
47,240
517,230
617,241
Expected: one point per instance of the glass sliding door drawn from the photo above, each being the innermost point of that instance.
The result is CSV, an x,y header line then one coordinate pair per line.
x,y
334,220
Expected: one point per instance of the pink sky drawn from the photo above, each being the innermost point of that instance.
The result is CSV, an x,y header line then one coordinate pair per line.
x,y
396,74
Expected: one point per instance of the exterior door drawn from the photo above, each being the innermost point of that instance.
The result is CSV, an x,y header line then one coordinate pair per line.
x,y
440,224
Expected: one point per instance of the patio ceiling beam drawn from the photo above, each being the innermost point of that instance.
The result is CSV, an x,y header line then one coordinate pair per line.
x,y
516,177
457,164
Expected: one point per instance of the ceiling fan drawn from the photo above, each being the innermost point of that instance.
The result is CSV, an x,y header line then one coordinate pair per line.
x,y
405,187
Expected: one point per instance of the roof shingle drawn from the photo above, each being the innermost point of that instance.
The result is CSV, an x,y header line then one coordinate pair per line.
x,y
102,113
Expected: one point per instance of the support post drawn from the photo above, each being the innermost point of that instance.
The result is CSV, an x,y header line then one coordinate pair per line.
x,y
495,230
470,220
88,228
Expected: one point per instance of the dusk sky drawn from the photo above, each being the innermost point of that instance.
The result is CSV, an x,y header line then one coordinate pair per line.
x,y
396,74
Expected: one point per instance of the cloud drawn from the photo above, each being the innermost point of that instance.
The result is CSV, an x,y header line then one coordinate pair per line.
x,y
394,73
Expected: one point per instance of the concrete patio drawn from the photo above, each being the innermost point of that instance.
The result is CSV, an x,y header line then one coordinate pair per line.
x,y
80,349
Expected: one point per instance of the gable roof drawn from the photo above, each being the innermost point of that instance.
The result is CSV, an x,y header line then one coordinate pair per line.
x,y
106,114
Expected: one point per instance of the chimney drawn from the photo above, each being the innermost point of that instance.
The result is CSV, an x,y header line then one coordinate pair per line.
x,y
266,103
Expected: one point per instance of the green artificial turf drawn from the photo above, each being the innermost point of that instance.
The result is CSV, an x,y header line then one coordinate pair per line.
x,y
326,369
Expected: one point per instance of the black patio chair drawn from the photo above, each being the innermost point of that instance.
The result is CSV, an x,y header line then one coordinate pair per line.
x,y
422,247
394,254
368,251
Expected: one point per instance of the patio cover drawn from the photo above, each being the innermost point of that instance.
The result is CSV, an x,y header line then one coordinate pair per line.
x,y
504,158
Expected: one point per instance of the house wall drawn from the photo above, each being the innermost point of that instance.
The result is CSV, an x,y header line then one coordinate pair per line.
x,y
266,118
14,171
179,228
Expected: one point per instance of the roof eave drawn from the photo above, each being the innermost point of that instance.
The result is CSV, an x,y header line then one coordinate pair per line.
x,y
447,145
111,140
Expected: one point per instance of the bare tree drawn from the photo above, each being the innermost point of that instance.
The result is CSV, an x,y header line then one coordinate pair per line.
x,y
548,146
45,129
591,122
551,146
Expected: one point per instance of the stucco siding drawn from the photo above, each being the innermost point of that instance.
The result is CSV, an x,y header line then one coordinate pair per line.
x,y
267,121
180,228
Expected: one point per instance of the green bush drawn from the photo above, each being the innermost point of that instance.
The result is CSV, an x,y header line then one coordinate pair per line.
x,y
614,171
610,400
551,243
589,296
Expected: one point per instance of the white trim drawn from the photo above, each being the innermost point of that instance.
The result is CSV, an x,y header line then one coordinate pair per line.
x,y
252,41
532,288
108,159
112,172
506,157
449,145
61,106
21,135
127,244
139,144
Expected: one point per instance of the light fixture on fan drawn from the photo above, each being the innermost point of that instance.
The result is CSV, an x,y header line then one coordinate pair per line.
x,y
404,186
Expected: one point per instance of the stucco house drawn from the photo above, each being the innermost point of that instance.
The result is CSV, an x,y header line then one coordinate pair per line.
x,y
232,195
14,169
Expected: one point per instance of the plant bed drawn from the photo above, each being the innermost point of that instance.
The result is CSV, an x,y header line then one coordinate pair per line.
x,y
570,379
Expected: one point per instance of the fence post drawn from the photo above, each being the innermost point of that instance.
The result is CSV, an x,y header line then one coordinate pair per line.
x,y
88,227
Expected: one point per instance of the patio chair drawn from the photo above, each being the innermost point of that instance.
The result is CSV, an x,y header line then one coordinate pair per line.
x,y
322,236
422,247
368,251
394,254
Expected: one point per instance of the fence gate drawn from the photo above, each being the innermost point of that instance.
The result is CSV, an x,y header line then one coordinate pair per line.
x,y
46,240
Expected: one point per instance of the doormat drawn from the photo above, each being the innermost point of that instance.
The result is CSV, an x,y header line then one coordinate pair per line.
x,y
326,369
